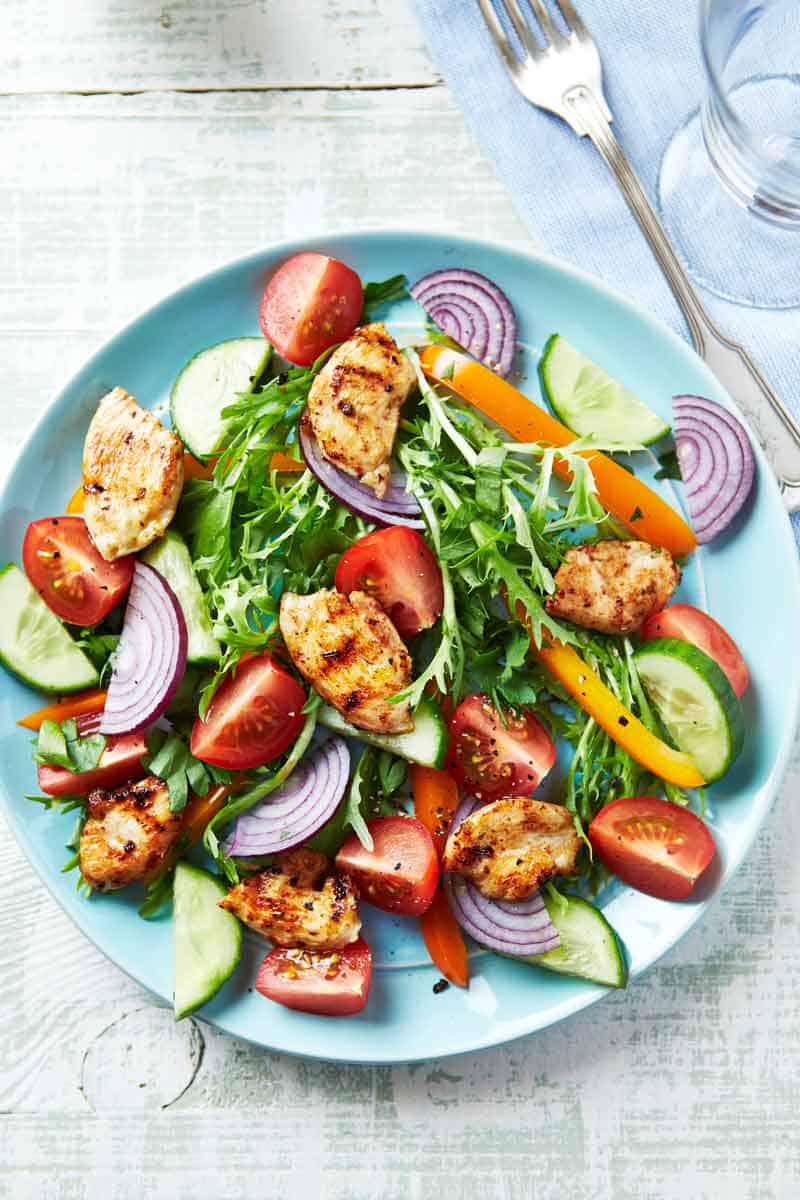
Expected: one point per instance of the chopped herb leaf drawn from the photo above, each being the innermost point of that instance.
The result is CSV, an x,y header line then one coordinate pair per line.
x,y
62,746
376,295
670,466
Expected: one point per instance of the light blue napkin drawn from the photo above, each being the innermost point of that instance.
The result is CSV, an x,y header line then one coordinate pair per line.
x,y
558,182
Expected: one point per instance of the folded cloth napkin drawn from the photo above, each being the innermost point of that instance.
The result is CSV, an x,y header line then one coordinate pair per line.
x,y
560,185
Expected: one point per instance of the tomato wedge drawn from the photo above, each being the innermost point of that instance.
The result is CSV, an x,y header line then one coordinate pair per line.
x,y
398,568
690,624
494,755
121,761
255,715
70,574
310,303
653,845
401,873
331,985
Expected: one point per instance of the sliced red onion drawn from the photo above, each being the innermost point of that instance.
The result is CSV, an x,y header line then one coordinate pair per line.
x,y
716,461
398,507
520,929
473,311
301,806
150,659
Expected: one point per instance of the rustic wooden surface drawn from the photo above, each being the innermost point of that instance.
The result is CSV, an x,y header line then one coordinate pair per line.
x,y
142,143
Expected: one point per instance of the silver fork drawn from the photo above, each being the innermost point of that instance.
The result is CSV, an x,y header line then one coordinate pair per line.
x,y
562,73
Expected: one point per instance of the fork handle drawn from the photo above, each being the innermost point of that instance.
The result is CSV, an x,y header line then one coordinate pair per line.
x,y
776,429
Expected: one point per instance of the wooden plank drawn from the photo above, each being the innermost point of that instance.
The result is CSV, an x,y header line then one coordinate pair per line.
x,y
149,191
134,45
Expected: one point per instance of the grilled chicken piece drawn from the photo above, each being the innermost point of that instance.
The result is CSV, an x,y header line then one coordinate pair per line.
x,y
290,905
613,586
127,833
510,847
355,401
132,476
350,651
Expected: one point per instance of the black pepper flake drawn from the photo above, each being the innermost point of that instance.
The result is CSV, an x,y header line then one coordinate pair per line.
x,y
397,866
440,986
623,721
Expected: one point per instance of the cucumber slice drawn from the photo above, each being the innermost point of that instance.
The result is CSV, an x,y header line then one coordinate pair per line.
x,y
208,940
426,744
589,401
589,946
33,642
170,556
695,701
210,382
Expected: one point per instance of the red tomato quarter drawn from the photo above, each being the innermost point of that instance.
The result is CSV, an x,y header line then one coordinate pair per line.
x,y
310,303
332,985
397,567
401,873
70,574
255,715
653,845
689,624
491,759
121,761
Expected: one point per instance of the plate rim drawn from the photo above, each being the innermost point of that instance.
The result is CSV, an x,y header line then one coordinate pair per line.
x,y
521,249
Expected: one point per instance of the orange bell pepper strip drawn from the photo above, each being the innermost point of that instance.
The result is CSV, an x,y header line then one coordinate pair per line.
x,y
588,690
197,814
286,464
444,941
632,502
193,468
435,802
91,701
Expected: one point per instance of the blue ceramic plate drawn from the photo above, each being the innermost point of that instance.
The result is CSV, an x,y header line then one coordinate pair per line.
x,y
748,580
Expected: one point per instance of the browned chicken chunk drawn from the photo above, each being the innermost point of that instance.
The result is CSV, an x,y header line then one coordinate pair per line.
x,y
612,586
510,847
355,401
127,833
350,651
132,476
293,903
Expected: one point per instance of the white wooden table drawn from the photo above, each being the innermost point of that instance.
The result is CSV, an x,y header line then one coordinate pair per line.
x,y
143,142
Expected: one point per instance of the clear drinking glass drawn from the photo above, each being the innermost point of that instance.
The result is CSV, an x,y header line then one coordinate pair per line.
x,y
729,186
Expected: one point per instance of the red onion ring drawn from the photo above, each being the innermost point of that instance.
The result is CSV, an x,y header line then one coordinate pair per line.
x,y
716,461
506,928
301,806
473,311
398,507
151,656
520,927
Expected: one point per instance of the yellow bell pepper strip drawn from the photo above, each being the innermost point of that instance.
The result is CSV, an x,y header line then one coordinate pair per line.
x,y
76,501
197,814
435,802
632,502
588,690
91,701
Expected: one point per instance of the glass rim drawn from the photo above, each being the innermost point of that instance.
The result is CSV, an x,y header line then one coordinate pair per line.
x,y
785,182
